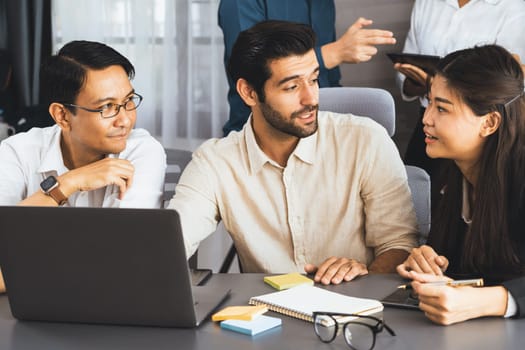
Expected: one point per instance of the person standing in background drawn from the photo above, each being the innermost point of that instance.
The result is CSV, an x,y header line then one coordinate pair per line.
x,y
355,45
438,27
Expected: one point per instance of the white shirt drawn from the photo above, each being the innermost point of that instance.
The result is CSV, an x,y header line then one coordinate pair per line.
x,y
28,158
439,27
343,193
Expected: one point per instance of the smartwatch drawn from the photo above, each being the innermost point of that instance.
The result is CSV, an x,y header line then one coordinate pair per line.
x,y
50,186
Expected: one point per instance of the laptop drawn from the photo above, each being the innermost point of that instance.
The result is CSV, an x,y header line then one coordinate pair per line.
x,y
100,265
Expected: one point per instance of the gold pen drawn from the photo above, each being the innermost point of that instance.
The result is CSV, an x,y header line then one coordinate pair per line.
x,y
476,282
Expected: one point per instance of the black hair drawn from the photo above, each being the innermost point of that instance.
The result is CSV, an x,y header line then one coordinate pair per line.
x,y
266,41
487,79
63,75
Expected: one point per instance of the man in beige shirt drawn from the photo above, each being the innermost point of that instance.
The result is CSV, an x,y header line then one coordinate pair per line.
x,y
297,189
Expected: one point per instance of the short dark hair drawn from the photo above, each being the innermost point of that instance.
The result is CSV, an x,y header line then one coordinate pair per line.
x,y
266,41
63,75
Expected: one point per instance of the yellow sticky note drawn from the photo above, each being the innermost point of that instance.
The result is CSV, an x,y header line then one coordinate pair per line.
x,y
289,280
246,313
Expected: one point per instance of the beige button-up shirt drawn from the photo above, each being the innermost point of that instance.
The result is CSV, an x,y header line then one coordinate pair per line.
x,y
343,193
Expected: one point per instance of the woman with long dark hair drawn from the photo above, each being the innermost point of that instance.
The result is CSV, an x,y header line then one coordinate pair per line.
x,y
475,120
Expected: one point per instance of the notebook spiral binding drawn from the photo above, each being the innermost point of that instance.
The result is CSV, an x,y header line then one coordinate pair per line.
x,y
283,310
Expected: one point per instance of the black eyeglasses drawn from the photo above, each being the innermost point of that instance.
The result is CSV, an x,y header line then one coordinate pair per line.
x,y
110,110
359,330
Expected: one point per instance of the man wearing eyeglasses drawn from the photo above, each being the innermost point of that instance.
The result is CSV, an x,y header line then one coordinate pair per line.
x,y
92,156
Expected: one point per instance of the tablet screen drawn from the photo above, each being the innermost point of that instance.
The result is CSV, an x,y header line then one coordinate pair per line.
x,y
402,298
426,62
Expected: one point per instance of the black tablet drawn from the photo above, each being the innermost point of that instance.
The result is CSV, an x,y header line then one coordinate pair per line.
x,y
403,298
426,62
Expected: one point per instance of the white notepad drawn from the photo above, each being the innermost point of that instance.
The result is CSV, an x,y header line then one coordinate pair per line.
x,y
301,301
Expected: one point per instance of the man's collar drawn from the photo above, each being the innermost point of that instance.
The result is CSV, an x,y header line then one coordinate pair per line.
x,y
305,149
53,160
256,157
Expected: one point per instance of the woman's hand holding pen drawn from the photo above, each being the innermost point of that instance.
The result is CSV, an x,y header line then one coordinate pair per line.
x,y
446,305
423,260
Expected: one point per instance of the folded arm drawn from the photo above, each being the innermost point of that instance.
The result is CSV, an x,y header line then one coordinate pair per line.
x,y
108,171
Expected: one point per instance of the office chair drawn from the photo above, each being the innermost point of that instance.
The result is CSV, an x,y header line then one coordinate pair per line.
x,y
378,104
176,160
419,183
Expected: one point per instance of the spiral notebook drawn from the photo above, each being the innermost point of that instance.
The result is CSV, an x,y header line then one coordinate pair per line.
x,y
301,301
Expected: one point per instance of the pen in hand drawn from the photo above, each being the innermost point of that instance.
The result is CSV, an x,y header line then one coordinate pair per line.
x,y
476,282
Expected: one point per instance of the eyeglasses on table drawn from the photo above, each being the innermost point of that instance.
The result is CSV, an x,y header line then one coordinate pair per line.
x,y
359,330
